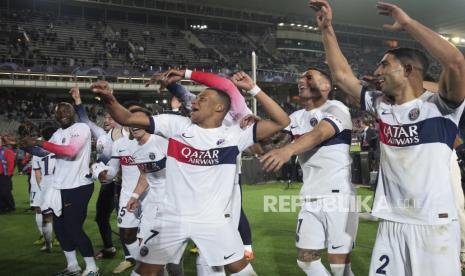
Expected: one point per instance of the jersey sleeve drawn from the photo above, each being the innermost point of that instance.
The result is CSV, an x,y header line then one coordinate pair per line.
x,y
35,163
79,136
448,110
338,118
181,92
248,137
370,100
168,125
82,114
239,107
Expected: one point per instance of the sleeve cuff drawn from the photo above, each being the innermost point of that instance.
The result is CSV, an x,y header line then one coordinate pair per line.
x,y
336,128
151,128
188,74
362,98
254,130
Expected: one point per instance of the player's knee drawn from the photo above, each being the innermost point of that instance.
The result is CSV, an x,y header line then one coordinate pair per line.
x,y
130,235
308,255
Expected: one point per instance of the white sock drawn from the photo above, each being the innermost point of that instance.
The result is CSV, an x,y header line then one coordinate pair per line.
x,y
47,230
133,249
134,273
39,223
203,269
246,271
341,269
90,264
315,268
248,247
71,259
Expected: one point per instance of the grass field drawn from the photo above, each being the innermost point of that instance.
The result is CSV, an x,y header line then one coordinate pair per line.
x,y
273,237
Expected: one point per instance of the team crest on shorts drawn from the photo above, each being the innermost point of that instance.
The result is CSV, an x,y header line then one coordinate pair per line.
x,y
313,122
120,220
413,114
144,250
63,140
152,156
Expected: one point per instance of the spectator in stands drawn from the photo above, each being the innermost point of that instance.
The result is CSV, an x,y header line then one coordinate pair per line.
x,y
369,142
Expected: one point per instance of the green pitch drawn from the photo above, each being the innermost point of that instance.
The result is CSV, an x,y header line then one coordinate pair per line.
x,y
273,237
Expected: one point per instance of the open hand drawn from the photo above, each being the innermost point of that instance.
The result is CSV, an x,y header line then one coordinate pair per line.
x,y
323,13
401,19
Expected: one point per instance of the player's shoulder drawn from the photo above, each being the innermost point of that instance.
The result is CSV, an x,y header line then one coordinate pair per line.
x,y
335,104
80,127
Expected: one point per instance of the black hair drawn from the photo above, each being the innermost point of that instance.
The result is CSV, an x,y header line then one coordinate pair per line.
x,y
47,132
324,73
143,110
133,103
410,55
224,98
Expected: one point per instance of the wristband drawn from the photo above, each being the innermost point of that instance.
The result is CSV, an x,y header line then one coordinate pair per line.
x,y
254,91
135,195
188,74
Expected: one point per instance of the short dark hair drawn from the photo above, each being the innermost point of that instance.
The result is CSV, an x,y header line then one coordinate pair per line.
x,y
411,55
133,103
143,110
47,132
224,97
323,72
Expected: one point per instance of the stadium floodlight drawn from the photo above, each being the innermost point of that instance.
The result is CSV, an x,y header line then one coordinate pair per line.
x,y
455,40
165,101
305,26
292,24
299,25
281,24
462,40
310,27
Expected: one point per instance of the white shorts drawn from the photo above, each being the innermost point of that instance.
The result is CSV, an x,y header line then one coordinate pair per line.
x,y
322,224
220,244
147,219
125,218
35,196
409,249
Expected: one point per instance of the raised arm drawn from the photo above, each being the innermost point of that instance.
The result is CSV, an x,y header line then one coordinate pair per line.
x,y
341,73
82,114
120,114
275,159
278,117
452,81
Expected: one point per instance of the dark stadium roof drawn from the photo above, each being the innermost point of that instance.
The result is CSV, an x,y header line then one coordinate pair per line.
x,y
445,16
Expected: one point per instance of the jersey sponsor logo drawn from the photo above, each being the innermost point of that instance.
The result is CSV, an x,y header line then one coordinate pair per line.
x,y
190,155
150,167
432,130
414,113
127,161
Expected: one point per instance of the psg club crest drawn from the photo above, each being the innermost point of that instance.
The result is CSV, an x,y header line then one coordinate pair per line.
x,y
152,156
413,114
313,122
219,142
144,251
